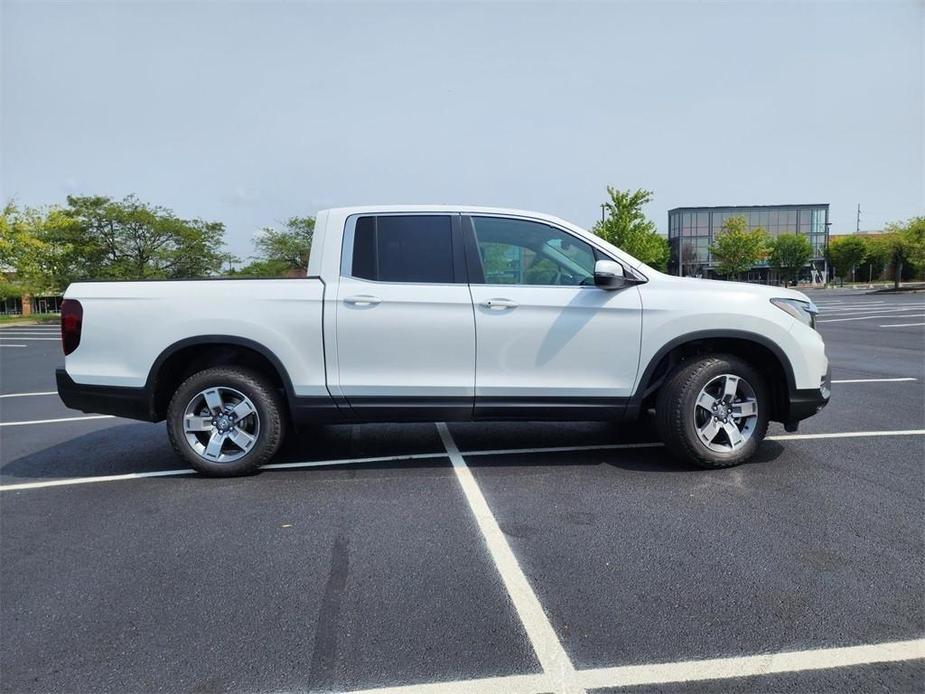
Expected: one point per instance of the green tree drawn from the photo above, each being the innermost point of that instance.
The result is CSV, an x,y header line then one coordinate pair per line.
x,y
627,227
24,255
101,238
789,253
736,248
846,253
285,251
902,244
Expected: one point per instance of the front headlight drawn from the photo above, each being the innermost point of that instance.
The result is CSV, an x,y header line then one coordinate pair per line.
x,y
803,311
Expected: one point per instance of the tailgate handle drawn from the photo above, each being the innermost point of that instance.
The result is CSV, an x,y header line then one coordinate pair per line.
x,y
363,300
499,304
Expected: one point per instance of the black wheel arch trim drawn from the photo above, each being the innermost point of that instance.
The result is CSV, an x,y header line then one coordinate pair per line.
x,y
646,386
297,404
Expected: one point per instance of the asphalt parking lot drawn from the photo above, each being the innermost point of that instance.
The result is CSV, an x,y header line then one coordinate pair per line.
x,y
474,557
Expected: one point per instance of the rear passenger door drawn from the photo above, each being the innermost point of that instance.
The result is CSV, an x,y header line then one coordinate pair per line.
x,y
404,323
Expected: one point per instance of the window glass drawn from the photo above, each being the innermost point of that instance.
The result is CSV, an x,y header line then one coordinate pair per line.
x,y
515,251
412,248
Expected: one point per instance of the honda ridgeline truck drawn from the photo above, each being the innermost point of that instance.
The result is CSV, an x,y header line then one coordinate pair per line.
x,y
439,313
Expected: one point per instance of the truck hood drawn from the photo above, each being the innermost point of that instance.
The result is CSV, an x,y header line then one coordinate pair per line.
x,y
757,290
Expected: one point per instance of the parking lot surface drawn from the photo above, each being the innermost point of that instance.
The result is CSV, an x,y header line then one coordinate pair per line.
x,y
474,557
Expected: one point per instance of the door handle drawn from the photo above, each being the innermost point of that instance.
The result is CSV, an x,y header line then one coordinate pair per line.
x,y
363,300
499,304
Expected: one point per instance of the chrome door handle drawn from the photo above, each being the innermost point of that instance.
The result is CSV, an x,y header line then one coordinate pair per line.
x,y
363,300
499,304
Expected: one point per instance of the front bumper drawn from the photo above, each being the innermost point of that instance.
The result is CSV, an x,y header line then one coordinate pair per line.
x,y
132,403
805,403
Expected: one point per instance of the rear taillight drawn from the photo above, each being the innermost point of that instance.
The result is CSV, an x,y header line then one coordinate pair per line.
x,y
72,315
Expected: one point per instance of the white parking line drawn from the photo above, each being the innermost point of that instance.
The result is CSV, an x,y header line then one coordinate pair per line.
x,y
845,435
27,395
23,339
13,328
684,671
184,471
552,657
751,665
884,312
872,380
55,421
9,345
423,456
901,325
90,480
840,320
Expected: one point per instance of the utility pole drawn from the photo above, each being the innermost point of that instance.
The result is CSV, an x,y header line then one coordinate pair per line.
x,y
857,229
603,209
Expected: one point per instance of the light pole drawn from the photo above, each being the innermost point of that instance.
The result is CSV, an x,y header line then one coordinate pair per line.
x,y
603,210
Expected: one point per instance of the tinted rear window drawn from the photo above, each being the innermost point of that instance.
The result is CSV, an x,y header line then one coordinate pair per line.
x,y
412,248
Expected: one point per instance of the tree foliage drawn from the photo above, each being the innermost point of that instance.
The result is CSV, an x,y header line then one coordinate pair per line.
x,y
627,227
846,253
22,251
104,238
736,248
96,237
789,253
902,245
281,252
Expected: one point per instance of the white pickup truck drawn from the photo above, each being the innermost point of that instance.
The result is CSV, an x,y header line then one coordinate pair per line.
x,y
428,313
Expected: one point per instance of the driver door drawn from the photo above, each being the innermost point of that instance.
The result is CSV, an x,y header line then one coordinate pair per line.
x,y
549,343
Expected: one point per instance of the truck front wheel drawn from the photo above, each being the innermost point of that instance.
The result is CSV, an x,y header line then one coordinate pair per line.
x,y
713,412
225,421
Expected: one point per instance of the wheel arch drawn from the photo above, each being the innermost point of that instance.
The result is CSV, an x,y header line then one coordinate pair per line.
x,y
757,349
192,354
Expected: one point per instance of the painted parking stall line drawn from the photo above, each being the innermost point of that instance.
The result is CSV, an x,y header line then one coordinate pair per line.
x,y
762,664
184,471
842,320
902,325
29,395
874,380
749,666
57,420
556,664
424,456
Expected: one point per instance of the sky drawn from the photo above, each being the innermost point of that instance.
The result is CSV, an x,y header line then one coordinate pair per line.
x,y
251,112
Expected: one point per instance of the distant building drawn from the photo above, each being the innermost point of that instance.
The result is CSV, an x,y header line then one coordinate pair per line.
x,y
691,231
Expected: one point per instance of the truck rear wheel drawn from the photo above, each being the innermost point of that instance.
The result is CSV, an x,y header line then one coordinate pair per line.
x,y
713,412
225,421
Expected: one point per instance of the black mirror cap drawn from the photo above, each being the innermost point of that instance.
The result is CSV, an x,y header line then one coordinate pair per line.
x,y
608,281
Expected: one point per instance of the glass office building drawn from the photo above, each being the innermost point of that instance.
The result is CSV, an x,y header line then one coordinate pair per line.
x,y
691,231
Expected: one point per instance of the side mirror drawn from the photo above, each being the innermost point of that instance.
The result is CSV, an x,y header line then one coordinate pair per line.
x,y
608,274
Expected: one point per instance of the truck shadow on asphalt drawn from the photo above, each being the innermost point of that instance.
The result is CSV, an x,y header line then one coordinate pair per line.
x,y
139,448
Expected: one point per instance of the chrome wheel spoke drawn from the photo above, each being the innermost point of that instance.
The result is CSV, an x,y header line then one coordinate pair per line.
x,y
709,430
732,431
243,409
746,408
195,423
731,387
213,400
706,401
241,439
214,448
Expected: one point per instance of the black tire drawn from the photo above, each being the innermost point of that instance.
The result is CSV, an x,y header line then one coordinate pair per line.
x,y
676,404
266,402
